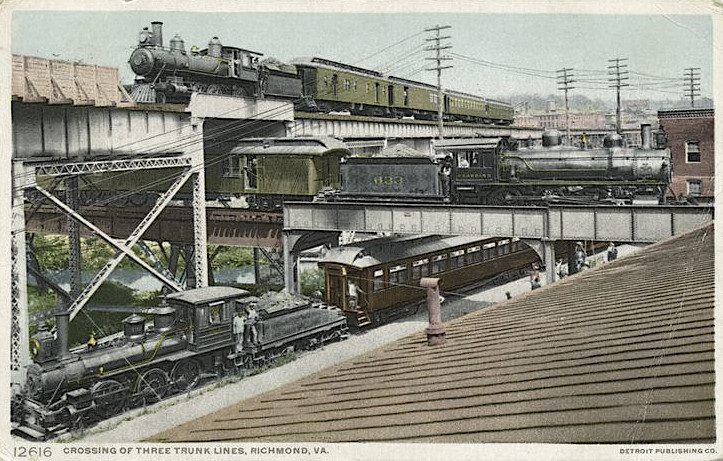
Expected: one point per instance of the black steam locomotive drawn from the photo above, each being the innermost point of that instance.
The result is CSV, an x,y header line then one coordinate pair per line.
x,y
189,339
498,171
171,74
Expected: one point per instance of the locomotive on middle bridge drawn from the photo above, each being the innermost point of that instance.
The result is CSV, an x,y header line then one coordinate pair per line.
x,y
262,173
171,74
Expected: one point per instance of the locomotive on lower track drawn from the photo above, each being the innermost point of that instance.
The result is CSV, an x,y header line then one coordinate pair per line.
x,y
189,339
172,74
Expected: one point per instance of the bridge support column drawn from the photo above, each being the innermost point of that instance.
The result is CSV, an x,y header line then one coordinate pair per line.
x,y
200,260
74,255
291,262
548,258
19,341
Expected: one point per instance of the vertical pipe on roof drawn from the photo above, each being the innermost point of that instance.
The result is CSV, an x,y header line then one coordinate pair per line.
x,y
435,331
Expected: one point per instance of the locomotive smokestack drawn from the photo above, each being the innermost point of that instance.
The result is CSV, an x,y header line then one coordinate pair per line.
x,y
435,331
157,27
61,326
645,135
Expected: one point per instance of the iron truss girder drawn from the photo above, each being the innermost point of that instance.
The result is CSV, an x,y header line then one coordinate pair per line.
x,y
125,248
62,169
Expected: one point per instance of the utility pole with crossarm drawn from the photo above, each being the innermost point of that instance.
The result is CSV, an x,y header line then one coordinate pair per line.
x,y
438,47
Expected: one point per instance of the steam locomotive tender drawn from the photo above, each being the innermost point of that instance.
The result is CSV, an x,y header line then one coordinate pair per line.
x,y
312,84
189,339
496,171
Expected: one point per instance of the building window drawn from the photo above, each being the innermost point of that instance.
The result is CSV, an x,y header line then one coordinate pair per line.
x,y
695,188
692,151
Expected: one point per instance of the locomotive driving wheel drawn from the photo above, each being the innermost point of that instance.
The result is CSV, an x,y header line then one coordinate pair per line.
x,y
108,397
185,375
152,385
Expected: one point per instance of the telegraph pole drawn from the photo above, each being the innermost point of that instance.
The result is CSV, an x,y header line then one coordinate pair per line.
x,y
617,78
692,77
564,78
437,46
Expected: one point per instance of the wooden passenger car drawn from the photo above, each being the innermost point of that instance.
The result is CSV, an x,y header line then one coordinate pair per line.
x,y
387,271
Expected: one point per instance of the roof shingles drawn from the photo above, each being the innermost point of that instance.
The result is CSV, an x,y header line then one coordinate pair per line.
x,y
620,354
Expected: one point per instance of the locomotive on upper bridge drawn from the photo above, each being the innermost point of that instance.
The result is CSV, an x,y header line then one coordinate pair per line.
x,y
168,74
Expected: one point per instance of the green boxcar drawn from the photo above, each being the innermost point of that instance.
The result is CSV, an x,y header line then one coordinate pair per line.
x,y
265,170
330,83
270,170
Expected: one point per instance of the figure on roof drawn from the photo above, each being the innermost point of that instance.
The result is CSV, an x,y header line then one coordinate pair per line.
x,y
535,277
612,252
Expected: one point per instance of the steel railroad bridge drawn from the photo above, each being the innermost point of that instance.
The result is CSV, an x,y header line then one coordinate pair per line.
x,y
309,224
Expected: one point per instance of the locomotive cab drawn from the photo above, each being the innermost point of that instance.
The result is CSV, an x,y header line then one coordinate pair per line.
x,y
207,314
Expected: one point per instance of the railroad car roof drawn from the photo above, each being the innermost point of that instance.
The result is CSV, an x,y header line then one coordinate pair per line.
x,y
328,64
622,354
473,96
286,146
380,251
207,294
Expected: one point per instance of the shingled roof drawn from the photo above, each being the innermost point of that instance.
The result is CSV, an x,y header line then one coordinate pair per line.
x,y
619,354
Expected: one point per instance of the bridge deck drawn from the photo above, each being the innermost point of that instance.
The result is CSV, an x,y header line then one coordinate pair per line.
x,y
621,223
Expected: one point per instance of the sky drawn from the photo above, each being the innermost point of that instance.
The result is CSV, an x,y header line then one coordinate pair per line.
x,y
493,55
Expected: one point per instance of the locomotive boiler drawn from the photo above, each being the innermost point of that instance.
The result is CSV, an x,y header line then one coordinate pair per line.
x,y
174,73
188,340
171,74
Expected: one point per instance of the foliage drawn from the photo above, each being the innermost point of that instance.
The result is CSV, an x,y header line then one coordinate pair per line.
x,y
312,280
228,256
51,251
39,301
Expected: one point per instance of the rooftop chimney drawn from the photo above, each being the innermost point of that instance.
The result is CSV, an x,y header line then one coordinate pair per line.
x,y
435,330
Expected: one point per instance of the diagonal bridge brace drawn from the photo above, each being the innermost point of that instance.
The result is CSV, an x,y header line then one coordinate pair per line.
x,y
124,249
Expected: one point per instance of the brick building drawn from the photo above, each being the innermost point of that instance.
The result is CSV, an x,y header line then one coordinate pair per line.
x,y
690,138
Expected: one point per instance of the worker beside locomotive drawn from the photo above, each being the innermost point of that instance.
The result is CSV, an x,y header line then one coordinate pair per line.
x,y
190,338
